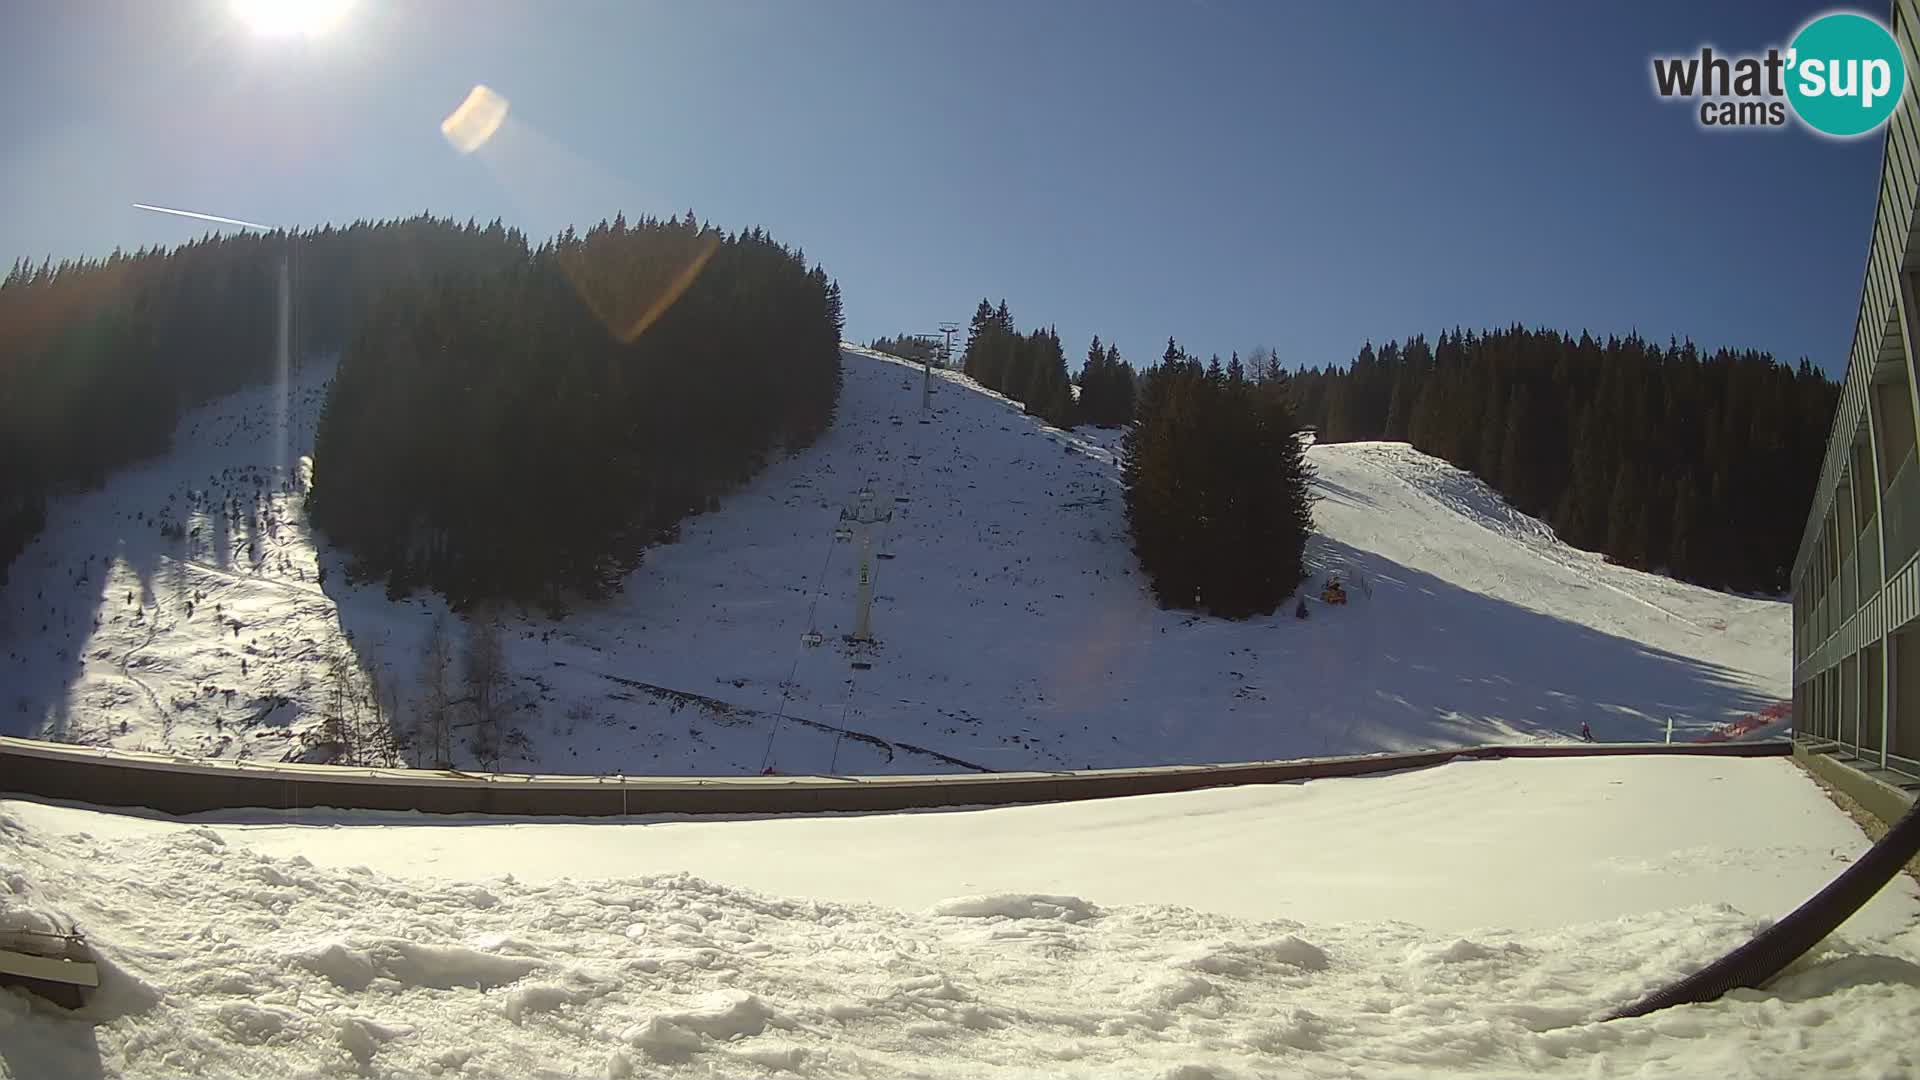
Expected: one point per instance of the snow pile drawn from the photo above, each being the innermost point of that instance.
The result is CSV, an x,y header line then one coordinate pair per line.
x,y
1014,630
232,957
1015,906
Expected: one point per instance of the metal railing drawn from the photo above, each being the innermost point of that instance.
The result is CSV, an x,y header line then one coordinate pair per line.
x,y
1849,590
178,785
1902,509
1868,548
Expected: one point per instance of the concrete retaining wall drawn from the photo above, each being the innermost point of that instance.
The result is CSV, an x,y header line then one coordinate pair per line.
x,y
1862,781
179,785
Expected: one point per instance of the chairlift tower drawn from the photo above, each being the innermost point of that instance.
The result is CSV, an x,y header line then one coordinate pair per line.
x,y
860,518
947,330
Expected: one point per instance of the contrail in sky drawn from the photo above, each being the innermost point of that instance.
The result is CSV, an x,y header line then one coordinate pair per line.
x,y
203,217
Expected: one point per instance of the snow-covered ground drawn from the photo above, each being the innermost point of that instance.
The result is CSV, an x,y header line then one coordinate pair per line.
x,y
1472,919
1014,630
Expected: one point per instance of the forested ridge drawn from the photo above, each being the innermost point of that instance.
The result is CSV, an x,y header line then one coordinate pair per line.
x,y
908,347
1697,464
524,433
592,360
99,357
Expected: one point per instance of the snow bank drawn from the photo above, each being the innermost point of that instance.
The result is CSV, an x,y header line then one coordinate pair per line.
x,y
1016,906
408,963
720,1016
243,958
1591,839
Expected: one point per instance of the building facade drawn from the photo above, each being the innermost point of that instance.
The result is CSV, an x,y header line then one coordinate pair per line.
x,y
1856,583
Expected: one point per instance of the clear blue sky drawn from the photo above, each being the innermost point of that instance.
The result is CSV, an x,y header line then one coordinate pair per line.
x,y
1231,173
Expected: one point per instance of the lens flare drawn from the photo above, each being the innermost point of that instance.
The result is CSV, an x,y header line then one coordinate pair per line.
x,y
470,126
532,168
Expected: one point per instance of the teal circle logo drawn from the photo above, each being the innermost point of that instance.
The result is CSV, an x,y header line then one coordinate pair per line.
x,y
1845,74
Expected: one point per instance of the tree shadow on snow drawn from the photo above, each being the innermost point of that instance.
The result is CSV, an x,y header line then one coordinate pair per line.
x,y
1413,660
50,605
1326,489
1812,977
111,555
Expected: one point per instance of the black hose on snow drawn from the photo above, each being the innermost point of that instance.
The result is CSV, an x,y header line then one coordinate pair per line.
x,y
1759,960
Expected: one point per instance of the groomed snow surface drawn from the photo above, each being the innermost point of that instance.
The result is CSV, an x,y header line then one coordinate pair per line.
x,y
1472,919
1015,629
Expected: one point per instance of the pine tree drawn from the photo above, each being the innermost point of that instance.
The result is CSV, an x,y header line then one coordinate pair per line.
x,y
1121,396
1516,447
1624,510
1685,528
1216,487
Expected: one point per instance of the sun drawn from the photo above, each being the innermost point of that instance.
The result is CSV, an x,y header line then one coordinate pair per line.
x,y
308,18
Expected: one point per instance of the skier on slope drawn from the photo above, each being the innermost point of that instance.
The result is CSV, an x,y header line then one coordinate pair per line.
x,y
1586,733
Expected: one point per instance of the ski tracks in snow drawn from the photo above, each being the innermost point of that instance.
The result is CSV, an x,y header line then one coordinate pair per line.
x,y
1469,497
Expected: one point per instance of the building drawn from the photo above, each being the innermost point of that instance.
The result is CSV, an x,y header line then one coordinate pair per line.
x,y
1856,584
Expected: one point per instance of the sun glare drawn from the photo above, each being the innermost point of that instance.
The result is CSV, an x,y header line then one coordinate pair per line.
x,y
309,18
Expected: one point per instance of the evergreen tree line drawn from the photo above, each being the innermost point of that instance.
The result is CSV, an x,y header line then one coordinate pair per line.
x,y
1032,369
1217,487
523,433
1029,368
1106,386
99,357
908,347
1700,465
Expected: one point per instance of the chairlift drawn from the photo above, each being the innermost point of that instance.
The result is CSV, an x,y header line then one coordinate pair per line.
x,y
812,638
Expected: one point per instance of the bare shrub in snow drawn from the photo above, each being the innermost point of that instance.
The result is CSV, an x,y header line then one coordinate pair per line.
x,y
434,746
486,683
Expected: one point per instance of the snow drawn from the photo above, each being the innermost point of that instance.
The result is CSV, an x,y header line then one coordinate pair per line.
x,y
1014,906
1666,832
1471,919
1015,630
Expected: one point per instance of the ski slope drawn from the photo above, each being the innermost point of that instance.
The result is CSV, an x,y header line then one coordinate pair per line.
x,y
1468,920
1013,628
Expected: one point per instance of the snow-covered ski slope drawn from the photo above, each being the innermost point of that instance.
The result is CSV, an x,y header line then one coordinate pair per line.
x,y
1013,628
1468,920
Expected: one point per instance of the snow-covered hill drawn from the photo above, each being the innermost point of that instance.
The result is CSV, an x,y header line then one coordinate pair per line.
x,y
1421,924
1013,628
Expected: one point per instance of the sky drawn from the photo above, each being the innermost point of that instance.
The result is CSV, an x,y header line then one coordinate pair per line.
x,y
1233,174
